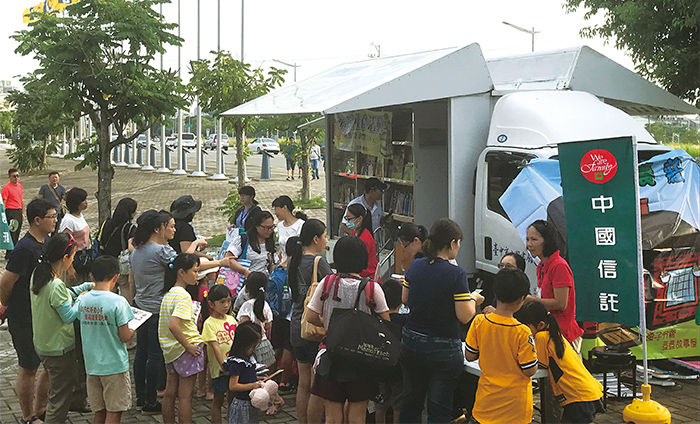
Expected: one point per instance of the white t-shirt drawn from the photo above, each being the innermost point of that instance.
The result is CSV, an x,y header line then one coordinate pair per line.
x,y
78,227
258,261
284,233
247,311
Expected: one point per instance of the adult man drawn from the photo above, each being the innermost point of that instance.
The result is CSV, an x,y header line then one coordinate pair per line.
x,y
53,192
14,292
374,190
12,199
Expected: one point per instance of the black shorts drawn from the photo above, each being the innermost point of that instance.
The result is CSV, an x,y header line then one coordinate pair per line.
x,y
306,354
583,412
23,341
353,391
279,334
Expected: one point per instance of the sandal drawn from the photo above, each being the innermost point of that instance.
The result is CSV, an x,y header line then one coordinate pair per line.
x,y
33,419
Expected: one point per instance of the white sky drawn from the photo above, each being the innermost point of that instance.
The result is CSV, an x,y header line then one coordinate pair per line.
x,y
321,34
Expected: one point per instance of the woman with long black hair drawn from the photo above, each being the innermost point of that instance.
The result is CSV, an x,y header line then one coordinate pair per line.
x,y
54,309
359,220
115,237
304,258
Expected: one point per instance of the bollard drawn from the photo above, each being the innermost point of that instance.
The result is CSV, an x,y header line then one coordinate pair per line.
x,y
115,154
265,171
153,155
139,155
127,153
184,159
201,160
167,157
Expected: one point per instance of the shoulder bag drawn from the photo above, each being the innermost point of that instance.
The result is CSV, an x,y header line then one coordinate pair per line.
x,y
124,254
309,331
361,340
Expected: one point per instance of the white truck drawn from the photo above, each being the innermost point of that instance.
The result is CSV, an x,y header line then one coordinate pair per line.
x,y
469,124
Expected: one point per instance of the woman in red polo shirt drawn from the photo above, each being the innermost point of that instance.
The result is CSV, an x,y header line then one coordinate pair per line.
x,y
359,220
555,282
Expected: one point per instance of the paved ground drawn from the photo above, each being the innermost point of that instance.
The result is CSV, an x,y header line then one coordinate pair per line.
x,y
156,191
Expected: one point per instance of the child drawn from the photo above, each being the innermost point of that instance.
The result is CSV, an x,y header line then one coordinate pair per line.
x,y
218,334
506,352
104,318
257,310
390,389
243,378
206,278
179,338
574,387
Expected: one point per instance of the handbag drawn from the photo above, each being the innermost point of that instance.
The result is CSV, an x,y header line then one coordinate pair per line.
x,y
309,331
231,278
361,340
124,255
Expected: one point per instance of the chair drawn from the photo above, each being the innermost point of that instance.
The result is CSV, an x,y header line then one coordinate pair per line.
x,y
613,358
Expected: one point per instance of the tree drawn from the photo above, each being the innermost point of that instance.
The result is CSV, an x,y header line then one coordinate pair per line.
x,y
100,56
226,83
662,35
42,110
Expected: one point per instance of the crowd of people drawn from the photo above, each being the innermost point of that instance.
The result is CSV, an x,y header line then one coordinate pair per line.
x,y
197,336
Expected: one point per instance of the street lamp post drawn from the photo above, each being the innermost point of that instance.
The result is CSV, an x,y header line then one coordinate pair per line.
x,y
180,170
295,66
219,175
532,32
198,155
163,168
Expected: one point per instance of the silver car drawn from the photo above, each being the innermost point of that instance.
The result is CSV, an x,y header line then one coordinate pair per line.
x,y
267,144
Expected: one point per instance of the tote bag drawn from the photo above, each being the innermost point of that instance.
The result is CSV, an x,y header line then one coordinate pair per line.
x,y
309,331
233,279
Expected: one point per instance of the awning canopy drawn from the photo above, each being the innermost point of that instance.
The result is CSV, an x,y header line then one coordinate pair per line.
x,y
385,81
441,74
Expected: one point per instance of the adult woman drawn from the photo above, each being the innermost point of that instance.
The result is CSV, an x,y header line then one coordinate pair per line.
x,y
555,282
259,251
246,195
115,237
74,223
289,224
358,219
342,384
509,260
437,294
411,237
183,210
149,260
303,251
54,308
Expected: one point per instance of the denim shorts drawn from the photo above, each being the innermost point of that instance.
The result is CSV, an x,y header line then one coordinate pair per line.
x,y
219,385
306,354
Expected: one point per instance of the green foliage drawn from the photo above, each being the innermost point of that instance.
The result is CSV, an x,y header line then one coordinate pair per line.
x,y
230,205
6,118
216,241
28,154
666,133
662,36
100,56
692,149
317,202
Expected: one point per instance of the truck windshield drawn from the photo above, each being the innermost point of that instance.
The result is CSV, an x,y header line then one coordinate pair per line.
x,y
503,167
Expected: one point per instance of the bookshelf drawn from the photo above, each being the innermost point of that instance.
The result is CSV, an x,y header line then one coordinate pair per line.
x,y
386,154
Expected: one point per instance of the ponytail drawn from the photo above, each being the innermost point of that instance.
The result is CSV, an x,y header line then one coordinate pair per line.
x,y
255,284
442,233
58,247
294,250
183,261
533,313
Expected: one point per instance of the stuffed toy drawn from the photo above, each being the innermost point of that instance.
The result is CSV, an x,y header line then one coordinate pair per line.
x,y
266,398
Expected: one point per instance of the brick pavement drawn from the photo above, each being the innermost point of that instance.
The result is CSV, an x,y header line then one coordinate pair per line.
x,y
157,191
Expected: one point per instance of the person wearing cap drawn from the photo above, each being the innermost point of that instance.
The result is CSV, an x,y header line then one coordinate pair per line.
x,y
183,210
374,190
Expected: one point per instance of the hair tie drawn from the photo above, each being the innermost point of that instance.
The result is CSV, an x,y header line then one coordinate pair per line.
x,y
206,294
299,242
262,289
170,265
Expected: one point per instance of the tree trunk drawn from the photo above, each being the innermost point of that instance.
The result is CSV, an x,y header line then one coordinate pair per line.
x,y
238,129
43,153
305,182
105,171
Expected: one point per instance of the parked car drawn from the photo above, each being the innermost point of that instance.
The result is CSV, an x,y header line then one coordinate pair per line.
x,y
210,142
267,144
189,140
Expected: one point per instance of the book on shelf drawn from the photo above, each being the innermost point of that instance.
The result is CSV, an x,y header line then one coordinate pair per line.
x,y
401,202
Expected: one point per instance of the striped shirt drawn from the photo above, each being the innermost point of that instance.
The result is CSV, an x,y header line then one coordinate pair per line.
x,y
177,303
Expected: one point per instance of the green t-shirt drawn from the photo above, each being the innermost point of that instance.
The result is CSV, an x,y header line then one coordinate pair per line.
x,y
52,337
101,314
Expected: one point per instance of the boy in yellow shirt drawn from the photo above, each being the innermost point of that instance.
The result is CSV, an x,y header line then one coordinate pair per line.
x,y
506,352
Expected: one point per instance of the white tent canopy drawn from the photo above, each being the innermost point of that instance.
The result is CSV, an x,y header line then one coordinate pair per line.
x,y
448,73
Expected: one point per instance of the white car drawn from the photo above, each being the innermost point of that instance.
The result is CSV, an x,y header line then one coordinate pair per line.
x,y
267,144
210,142
189,140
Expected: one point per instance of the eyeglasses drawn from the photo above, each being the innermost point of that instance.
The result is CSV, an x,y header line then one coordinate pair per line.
x,y
14,176
267,227
70,243
350,218
502,265
54,216
404,244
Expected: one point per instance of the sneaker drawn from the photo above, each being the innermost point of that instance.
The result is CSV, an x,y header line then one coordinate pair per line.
x,y
154,409
140,403
286,388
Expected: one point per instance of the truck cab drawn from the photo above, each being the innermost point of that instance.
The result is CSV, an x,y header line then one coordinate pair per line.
x,y
529,125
